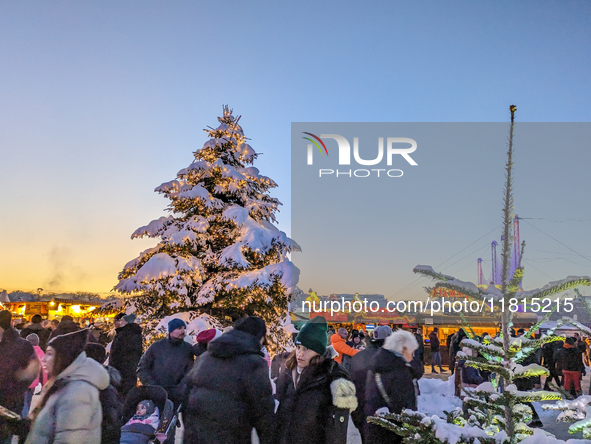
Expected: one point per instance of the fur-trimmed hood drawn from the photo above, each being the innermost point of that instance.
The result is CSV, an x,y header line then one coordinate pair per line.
x,y
343,394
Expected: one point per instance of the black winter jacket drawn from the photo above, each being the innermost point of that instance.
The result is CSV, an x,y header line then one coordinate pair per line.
x,y
126,352
359,367
199,349
112,409
316,412
43,334
229,393
398,381
165,363
434,342
15,354
571,359
63,328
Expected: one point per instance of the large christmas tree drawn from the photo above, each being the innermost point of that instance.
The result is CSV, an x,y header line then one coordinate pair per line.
x,y
219,253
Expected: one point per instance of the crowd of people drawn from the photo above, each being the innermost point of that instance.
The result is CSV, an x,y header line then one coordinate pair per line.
x,y
565,360
225,385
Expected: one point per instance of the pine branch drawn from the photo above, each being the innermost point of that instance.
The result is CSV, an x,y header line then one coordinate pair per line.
x,y
554,288
536,396
577,325
465,323
482,348
514,284
475,295
540,322
583,300
427,271
532,345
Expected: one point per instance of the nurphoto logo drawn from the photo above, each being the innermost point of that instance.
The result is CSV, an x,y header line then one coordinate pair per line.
x,y
393,148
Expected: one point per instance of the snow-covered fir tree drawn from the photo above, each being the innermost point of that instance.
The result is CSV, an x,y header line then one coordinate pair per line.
x,y
496,409
219,253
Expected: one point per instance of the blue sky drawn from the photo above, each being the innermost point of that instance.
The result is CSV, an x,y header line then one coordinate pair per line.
x,y
100,102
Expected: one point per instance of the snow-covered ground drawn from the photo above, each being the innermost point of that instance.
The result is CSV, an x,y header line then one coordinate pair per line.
x,y
437,396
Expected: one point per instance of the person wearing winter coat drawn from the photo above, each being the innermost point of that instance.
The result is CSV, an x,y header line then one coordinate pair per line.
x,y
390,384
19,367
126,351
34,340
420,352
229,390
66,325
203,339
70,410
36,328
435,350
315,394
548,351
359,367
471,376
338,341
167,362
142,425
456,346
110,401
571,364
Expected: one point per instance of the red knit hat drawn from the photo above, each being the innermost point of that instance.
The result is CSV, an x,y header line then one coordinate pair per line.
x,y
206,336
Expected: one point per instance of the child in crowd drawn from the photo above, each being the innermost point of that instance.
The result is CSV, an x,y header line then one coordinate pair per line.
x,y
146,413
142,425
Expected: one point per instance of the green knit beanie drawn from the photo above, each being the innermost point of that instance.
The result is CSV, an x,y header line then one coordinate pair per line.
x,y
313,335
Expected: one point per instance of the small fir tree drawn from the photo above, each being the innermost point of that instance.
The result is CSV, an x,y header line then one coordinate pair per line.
x,y
219,253
494,407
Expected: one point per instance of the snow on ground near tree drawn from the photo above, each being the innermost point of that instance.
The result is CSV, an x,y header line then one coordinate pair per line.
x,y
437,396
539,437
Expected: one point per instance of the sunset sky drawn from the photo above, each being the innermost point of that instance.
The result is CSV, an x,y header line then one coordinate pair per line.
x,y
101,102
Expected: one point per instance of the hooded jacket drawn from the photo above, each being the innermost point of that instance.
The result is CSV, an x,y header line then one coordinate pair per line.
x,y
397,376
72,414
126,352
316,410
229,393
